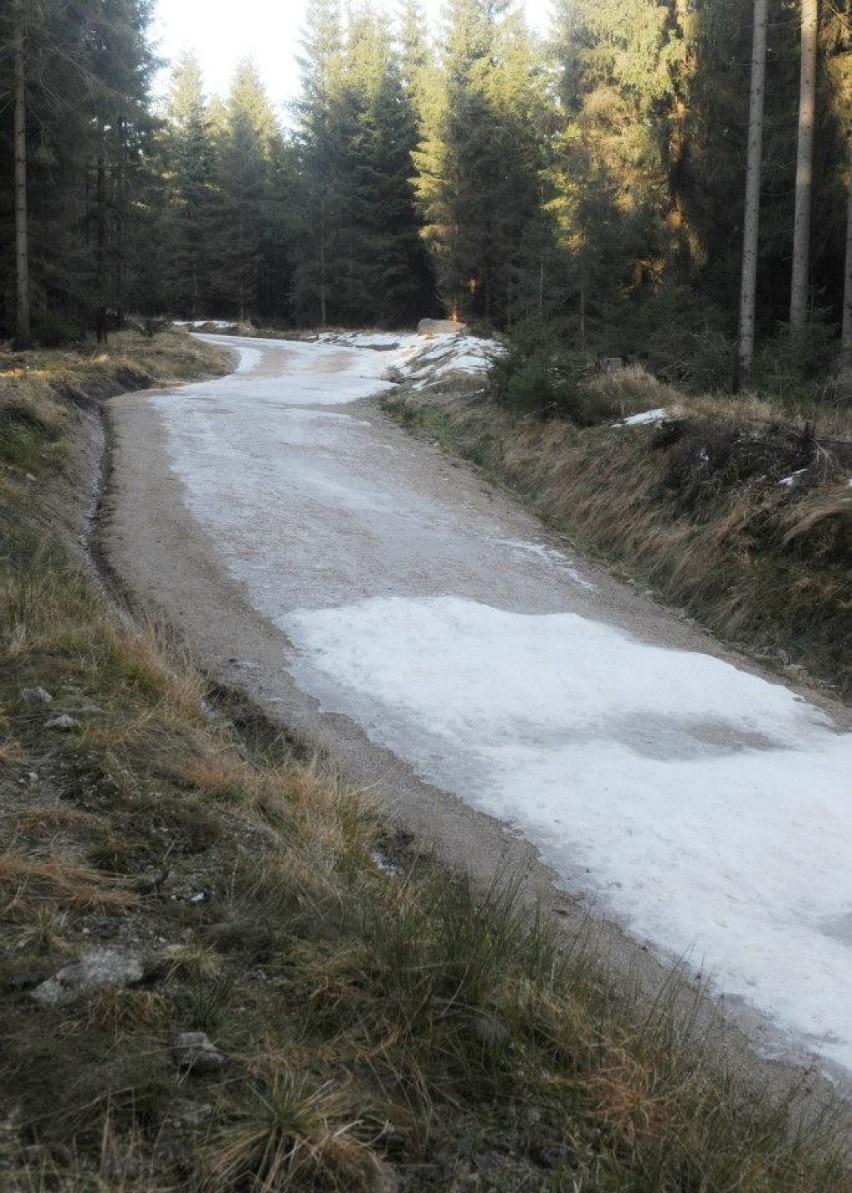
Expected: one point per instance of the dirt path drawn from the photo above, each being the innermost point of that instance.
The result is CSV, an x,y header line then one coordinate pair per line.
x,y
359,586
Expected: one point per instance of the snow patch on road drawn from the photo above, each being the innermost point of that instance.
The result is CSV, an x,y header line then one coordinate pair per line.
x,y
551,556
313,374
708,808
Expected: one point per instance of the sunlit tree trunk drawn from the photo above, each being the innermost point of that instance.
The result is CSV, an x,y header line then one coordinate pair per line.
x,y
846,340
22,257
751,221
804,165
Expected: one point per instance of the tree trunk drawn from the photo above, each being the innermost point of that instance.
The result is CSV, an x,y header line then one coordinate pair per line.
x,y
582,307
23,330
101,238
751,221
846,339
323,305
804,165
118,224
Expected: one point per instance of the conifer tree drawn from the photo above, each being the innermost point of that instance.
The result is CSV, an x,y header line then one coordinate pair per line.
x,y
85,77
846,331
190,158
319,145
22,248
480,162
248,148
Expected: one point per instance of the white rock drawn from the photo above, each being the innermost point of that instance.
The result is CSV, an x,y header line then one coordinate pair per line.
x,y
93,972
194,1052
63,722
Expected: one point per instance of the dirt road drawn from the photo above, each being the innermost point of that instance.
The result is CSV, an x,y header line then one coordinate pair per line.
x,y
510,705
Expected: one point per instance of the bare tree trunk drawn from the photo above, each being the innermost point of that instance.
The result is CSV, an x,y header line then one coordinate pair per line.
x,y
323,306
101,237
751,222
119,222
804,165
242,255
846,338
23,329
582,306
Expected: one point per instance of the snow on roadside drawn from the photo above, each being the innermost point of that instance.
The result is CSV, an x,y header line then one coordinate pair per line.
x,y
195,324
708,808
792,480
454,353
647,416
425,357
420,359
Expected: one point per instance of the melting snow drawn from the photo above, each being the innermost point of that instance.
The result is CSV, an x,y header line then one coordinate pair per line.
x,y
552,556
710,809
647,416
793,479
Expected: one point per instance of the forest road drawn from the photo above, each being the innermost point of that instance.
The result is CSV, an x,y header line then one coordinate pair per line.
x,y
514,708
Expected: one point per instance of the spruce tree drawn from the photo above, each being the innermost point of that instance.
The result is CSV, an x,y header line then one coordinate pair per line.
x,y
190,158
481,159
248,147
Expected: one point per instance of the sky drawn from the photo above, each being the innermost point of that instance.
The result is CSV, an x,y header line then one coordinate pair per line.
x,y
270,33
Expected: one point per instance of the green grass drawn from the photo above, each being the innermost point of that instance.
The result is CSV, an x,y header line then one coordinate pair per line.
x,y
371,1021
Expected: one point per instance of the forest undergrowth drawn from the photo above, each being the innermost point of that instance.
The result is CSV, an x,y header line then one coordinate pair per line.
x,y
223,972
735,509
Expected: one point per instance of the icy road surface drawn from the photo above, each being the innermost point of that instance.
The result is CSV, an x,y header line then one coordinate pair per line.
x,y
708,810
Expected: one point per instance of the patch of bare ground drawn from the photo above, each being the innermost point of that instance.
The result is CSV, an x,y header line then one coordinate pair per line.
x,y
219,974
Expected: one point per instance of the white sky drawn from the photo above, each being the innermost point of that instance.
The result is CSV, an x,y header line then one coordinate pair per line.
x,y
270,33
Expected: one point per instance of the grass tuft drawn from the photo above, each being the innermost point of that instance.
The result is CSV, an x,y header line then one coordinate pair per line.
x,y
288,1132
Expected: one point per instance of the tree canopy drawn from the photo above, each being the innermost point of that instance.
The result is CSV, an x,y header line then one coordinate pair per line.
x,y
595,178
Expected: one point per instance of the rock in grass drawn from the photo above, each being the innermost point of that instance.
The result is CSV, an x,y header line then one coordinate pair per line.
x,y
36,696
490,1030
95,971
192,1114
384,1180
436,327
63,723
194,1052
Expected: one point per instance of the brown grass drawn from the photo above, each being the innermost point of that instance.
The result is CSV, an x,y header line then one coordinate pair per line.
x,y
55,878
763,565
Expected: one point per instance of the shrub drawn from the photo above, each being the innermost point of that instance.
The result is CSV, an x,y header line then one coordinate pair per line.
x,y
794,364
539,374
54,330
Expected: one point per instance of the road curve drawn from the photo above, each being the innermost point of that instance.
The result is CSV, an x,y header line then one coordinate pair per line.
x,y
509,704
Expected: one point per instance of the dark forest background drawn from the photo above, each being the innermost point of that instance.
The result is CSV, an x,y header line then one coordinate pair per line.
x,y
594,181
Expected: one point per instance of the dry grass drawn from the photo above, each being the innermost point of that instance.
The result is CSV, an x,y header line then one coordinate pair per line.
x,y
54,878
288,1132
700,517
